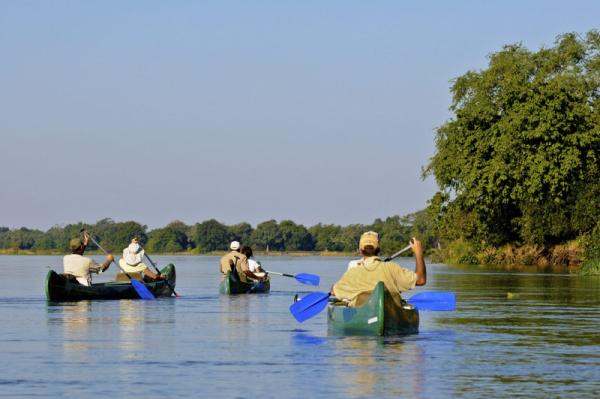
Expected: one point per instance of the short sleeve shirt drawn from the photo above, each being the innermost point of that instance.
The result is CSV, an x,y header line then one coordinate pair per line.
x,y
368,273
81,267
242,262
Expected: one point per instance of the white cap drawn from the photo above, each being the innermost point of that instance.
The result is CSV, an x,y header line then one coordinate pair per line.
x,y
234,245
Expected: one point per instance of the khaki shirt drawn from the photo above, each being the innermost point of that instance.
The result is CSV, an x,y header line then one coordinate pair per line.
x,y
241,265
81,267
368,273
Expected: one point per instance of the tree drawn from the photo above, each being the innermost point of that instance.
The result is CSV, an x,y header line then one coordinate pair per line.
x,y
327,237
240,232
211,236
267,236
166,239
394,233
523,147
115,236
23,238
295,237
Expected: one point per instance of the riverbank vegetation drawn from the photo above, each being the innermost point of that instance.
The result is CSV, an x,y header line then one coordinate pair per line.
x,y
213,237
518,164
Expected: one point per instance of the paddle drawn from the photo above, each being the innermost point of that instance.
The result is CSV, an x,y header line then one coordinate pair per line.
x,y
158,272
434,300
139,287
395,255
304,278
309,306
314,303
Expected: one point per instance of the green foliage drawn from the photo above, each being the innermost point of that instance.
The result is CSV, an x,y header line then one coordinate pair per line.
x,y
166,239
295,237
211,236
591,252
520,160
591,268
328,237
268,236
115,236
241,232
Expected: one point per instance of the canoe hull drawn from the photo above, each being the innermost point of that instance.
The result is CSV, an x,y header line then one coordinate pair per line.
x,y
59,288
232,286
381,315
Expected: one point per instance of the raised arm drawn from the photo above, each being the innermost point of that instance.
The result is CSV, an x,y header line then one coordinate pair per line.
x,y
420,268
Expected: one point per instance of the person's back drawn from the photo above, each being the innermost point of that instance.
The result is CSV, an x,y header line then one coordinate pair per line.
x,y
133,256
81,267
354,263
370,270
236,259
78,266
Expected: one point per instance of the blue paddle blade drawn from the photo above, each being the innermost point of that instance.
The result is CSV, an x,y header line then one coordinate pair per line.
x,y
434,300
309,279
309,306
141,290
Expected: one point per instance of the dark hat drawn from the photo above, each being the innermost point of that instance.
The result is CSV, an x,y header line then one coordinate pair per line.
x,y
75,244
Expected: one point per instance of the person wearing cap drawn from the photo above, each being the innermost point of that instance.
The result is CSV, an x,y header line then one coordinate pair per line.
x,y
234,260
368,271
79,266
132,260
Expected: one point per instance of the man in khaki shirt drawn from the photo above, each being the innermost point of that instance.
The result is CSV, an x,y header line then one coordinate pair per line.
x,y
81,267
236,259
240,261
371,269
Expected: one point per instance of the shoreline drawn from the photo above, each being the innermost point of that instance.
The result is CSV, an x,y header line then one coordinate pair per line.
x,y
14,252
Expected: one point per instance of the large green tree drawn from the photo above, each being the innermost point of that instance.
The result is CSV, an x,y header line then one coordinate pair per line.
x,y
267,236
241,232
520,159
211,235
114,236
295,236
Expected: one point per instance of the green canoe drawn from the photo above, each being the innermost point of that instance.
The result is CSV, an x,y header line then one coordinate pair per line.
x,y
231,285
59,288
380,315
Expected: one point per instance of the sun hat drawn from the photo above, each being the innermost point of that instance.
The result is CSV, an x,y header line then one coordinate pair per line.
x,y
235,245
369,238
75,244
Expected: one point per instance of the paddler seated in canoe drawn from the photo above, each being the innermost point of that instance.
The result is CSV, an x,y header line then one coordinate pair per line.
x,y
237,263
253,265
371,269
132,260
78,266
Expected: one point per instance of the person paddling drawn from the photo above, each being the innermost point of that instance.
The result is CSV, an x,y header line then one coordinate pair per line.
x,y
79,266
132,260
253,265
371,269
236,262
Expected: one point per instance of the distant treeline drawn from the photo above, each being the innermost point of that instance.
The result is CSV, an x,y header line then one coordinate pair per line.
x,y
211,235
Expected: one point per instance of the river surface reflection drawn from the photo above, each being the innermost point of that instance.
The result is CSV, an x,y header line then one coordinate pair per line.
x,y
514,334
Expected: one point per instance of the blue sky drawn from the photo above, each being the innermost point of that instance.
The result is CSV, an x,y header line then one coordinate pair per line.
x,y
315,111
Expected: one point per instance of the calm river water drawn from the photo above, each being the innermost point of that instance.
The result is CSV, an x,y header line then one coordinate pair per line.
x,y
542,342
